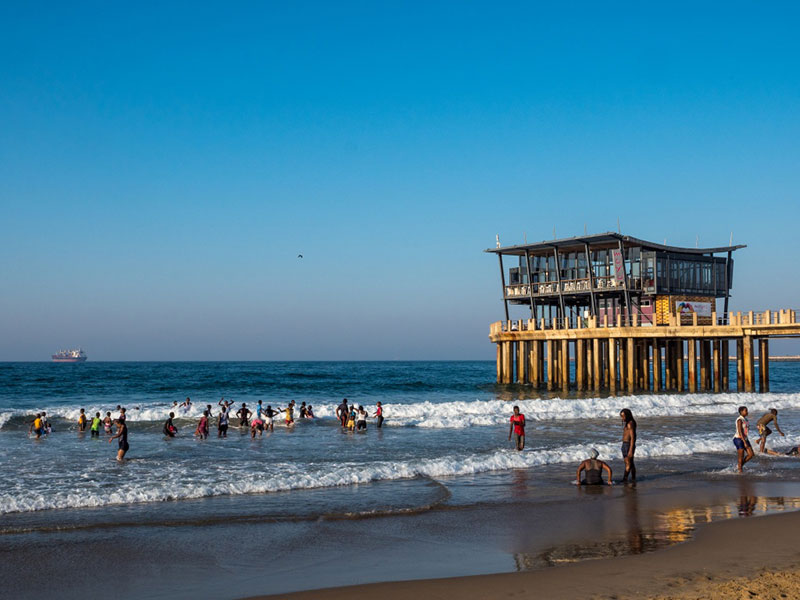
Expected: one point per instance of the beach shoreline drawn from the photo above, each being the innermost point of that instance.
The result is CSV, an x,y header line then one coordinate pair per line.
x,y
720,558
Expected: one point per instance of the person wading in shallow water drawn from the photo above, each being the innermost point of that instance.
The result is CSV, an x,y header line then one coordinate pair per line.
x,y
517,427
744,451
628,444
594,470
122,434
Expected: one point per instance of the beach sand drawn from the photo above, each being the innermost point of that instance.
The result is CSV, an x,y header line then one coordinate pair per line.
x,y
756,557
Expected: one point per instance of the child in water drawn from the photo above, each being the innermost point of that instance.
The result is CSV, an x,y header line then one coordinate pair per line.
x,y
96,425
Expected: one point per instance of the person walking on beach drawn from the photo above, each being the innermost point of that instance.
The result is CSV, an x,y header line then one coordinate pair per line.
x,y
342,411
222,423
169,428
764,431
744,451
517,427
594,470
628,444
244,414
379,414
96,425
122,434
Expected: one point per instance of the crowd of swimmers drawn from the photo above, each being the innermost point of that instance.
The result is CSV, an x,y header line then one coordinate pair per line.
x,y
591,470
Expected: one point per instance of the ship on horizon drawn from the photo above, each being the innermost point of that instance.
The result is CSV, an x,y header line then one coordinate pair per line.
x,y
70,356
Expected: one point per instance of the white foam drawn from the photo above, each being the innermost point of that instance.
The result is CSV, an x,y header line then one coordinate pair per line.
x,y
180,481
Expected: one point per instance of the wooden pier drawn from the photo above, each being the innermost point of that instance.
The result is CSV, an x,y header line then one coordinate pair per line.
x,y
676,357
633,315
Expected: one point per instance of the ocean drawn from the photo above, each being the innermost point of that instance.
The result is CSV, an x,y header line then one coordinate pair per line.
x,y
442,457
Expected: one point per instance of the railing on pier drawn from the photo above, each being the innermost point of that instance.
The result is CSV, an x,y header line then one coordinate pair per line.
x,y
784,316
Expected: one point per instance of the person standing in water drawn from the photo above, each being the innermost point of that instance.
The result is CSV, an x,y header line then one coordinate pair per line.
x,y
764,431
96,425
108,422
37,426
361,419
222,423
82,421
169,428
122,434
628,444
379,414
342,411
244,414
744,451
594,470
202,426
517,427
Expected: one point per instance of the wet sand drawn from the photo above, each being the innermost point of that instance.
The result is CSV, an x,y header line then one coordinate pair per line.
x,y
755,557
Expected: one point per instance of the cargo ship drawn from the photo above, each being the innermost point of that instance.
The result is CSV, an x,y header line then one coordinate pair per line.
x,y
70,356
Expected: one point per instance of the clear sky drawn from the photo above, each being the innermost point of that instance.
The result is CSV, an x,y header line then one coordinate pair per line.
x,y
163,164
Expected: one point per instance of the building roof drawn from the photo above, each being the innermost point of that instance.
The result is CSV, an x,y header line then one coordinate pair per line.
x,y
605,238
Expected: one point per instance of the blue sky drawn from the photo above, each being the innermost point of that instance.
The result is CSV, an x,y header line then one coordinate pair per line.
x,y
162,166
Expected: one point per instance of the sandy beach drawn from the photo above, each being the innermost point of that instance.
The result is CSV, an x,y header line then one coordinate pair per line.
x,y
743,558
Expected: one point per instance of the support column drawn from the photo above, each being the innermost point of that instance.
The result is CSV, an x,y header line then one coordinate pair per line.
x,y
656,365
726,365
541,361
703,367
739,365
763,365
630,368
692,346
499,362
604,363
521,361
551,365
669,365
709,366
749,367
535,373
580,363
596,364
646,365
679,385
565,365
612,365
717,366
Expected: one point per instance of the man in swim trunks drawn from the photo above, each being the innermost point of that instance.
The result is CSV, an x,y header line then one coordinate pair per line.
x,y
122,434
517,427
269,415
594,470
96,425
169,429
222,423
342,411
37,426
764,431
628,444
744,451
379,414
244,415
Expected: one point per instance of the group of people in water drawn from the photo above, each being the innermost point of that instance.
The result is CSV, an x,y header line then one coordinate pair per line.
x,y
591,470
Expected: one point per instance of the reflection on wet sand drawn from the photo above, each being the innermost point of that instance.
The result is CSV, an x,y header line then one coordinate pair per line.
x,y
664,529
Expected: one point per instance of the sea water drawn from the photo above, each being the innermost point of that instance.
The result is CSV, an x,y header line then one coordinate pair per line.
x,y
446,423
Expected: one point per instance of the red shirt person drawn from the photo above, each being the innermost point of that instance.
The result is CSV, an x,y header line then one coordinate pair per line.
x,y
517,427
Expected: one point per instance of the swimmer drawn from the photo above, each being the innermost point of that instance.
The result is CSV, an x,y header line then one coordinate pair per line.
x,y
288,414
628,444
303,411
37,426
269,413
122,434
122,415
342,411
310,412
82,421
244,414
379,414
202,427
594,470
169,428
222,423
108,422
744,451
96,425
764,431
187,404
517,426
256,425
226,403
46,424
361,419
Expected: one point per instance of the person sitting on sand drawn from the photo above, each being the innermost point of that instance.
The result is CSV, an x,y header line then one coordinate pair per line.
x,y
594,470
764,431
517,426
744,450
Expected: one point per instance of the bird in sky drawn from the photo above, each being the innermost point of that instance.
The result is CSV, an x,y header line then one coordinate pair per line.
x,y
299,256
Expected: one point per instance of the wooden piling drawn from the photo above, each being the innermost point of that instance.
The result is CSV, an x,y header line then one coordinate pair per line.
x,y
612,365
740,364
725,365
630,367
679,383
596,364
656,365
717,366
747,352
692,357
565,365
580,364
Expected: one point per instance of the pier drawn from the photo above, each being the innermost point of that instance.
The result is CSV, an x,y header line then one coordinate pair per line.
x,y
632,315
